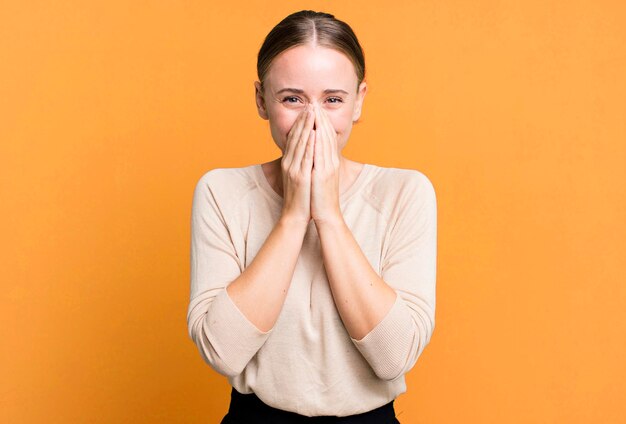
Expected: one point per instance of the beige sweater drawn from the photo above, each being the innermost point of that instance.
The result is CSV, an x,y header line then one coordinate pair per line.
x,y
308,363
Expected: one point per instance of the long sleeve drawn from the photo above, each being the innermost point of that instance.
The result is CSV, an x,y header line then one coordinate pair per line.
x,y
226,339
409,266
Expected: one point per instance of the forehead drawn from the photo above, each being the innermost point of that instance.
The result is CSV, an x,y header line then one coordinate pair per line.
x,y
311,67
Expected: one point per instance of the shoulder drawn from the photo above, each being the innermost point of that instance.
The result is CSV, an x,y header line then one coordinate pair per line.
x,y
394,187
225,185
227,179
406,198
226,176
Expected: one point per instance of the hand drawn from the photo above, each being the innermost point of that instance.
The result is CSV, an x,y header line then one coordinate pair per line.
x,y
296,165
325,175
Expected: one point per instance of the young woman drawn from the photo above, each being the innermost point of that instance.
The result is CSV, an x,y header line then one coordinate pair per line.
x,y
312,275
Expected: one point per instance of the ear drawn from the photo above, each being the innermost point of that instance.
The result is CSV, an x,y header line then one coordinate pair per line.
x,y
358,105
260,100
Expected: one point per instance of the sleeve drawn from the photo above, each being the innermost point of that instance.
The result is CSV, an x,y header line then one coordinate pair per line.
x,y
409,266
226,339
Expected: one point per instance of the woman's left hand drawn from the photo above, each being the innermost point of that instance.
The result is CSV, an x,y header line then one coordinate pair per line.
x,y
325,173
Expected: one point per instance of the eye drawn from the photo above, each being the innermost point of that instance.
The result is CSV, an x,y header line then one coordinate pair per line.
x,y
290,99
335,100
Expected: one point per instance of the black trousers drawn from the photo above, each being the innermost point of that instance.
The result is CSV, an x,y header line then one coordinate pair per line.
x,y
249,409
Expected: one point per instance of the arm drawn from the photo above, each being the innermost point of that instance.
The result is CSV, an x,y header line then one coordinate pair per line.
x,y
224,318
390,317
267,279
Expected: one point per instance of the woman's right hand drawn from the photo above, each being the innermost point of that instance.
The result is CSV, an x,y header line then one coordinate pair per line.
x,y
296,166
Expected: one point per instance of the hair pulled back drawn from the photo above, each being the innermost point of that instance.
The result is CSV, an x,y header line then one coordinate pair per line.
x,y
307,26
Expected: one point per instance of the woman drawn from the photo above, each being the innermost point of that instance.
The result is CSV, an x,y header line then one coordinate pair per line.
x,y
312,276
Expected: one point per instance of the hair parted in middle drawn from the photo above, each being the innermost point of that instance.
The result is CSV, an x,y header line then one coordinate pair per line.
x,y
307,26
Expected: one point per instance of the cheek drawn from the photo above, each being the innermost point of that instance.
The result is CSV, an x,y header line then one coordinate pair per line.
x,y
341,119
281,122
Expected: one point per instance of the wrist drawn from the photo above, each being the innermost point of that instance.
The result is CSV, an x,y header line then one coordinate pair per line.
x,y
293,222
333,222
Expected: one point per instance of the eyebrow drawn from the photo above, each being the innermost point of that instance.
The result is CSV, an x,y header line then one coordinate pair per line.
x,y
298,91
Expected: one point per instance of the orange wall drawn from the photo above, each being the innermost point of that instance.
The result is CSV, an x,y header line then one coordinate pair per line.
x,y
111,111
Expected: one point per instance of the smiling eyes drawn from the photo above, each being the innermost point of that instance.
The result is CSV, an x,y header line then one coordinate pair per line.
x,y
293,100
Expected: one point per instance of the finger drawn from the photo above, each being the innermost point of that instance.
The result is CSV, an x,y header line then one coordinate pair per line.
x,y
319,121
332,135
294,134
325,148
296,128
330,130
301,144
307,161
318,159
308,125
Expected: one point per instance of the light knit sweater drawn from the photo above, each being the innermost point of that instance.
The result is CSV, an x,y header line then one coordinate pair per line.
x,y
308,363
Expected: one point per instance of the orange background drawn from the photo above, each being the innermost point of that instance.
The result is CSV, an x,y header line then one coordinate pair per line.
x,y
111,111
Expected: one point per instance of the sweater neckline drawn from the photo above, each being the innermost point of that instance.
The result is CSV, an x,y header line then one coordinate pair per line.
x,y
265,186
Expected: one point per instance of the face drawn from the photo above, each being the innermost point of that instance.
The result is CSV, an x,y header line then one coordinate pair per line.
x,y
314,75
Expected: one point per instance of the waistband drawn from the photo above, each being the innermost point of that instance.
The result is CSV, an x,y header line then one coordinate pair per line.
x,y
248,408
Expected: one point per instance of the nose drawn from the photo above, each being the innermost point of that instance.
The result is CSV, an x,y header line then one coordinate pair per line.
x,y
313,108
